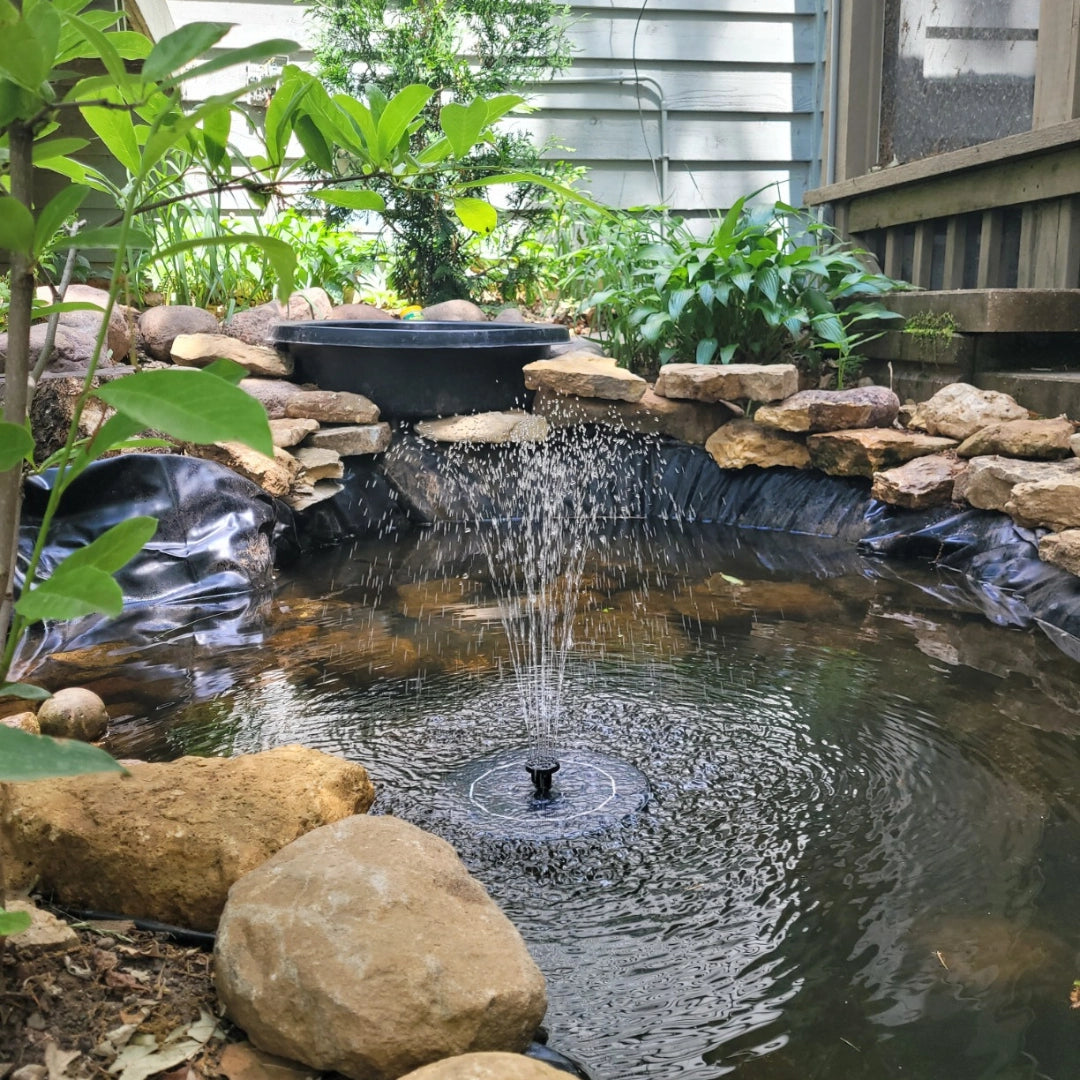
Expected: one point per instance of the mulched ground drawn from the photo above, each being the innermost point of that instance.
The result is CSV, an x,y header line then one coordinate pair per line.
x,y
118,990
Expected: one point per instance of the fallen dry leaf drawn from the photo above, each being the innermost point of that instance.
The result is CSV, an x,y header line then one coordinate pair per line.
x,y
57,1060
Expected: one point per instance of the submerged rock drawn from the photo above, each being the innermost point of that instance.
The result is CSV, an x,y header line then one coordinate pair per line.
x,y
959,410
919,484
73,713
396,956
728,382
742,442
688,421
832,410
1041,440
167,841
585,375
490,1066
870,450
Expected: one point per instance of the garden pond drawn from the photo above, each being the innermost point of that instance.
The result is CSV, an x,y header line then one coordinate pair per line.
x,y
861,852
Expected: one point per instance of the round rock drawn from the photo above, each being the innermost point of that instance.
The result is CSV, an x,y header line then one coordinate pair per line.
x,y
366,948
159,327
487,1067
74,713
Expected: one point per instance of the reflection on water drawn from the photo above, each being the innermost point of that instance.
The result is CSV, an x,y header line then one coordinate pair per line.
x,y
862,852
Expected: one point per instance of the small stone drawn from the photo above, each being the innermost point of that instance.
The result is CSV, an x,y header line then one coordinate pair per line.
x,y
454,311
1062,549
988,482
352,439
159,327
584,375
317,463
23,721
306,495
242,1061
360,313
292,432
728,382
742,442
1039,440
689,421
74,713
510,315
959,410
832,410
870,450
576,344
46,933
919,484
1054,504
489,1066
333,407
198,350
513,426
274,475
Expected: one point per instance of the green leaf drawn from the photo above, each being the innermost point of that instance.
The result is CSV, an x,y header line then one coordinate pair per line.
x,y
55,212
50,148
654,325
116,129
114,548
562,190
37,757
229,370
30,45
435,152
500,105
129,44
351,198
363,120
768,282
312,140
25,691
191,405
16,445
727,352
84,591
706,350
16,226
829,328
227,58
13,922
105,51
279,113
402,109
678,300
462,124
476,214
278,253
216,126
180,47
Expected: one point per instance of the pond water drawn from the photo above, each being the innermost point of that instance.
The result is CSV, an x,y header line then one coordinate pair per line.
x,y
861,853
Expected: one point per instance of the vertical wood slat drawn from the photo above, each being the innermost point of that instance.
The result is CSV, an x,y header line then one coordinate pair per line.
x,y
923,257
1050,245
1057,73
990,238
858,105
894,252
955,243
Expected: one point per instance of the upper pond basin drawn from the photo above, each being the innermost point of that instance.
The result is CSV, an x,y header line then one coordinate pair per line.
x,y
861,854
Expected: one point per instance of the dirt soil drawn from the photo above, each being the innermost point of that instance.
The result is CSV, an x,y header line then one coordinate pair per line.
x,y
118,992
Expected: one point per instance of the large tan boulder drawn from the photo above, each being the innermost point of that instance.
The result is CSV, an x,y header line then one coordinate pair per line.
x,y
1039,440
870,450
255,325
490,1066
511,426
832,410
742,442
1054,503
919,484
959,410
160,326
585,375
454,311
689,421
396,957
1062,549
283,400
87,323
199,350
167,841
728,382
988,482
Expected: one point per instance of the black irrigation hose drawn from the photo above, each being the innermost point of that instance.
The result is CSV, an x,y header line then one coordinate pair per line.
x,y
180,934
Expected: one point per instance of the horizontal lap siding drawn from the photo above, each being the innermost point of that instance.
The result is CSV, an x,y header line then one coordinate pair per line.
x,y
738,76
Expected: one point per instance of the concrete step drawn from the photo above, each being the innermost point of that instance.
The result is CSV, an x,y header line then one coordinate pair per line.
x,y
1049,393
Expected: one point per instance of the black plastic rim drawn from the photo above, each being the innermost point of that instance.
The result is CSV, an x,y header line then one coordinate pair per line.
x,y
417,334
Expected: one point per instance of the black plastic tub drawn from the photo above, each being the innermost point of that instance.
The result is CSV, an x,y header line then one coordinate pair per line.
x,y
415,370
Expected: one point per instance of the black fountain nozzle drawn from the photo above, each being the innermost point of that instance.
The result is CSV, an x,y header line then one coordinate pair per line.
x,y
541,770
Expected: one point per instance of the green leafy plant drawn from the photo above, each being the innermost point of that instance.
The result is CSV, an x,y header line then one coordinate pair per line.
x,y
471,50
766,284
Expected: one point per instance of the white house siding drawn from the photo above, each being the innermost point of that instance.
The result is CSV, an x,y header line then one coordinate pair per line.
x,y
740,81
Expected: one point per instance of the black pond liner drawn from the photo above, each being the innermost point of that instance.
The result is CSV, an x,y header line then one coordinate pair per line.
x,y
415,370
